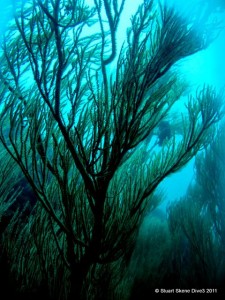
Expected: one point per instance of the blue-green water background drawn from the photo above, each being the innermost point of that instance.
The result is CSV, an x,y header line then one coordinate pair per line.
x,y
205,67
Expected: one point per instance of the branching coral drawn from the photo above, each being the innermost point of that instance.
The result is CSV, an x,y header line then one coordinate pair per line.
x,y
74,129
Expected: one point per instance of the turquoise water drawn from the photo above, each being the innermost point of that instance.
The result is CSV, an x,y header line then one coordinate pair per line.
x,y
205,67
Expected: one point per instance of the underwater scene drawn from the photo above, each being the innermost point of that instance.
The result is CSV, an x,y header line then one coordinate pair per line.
x,y
112,149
